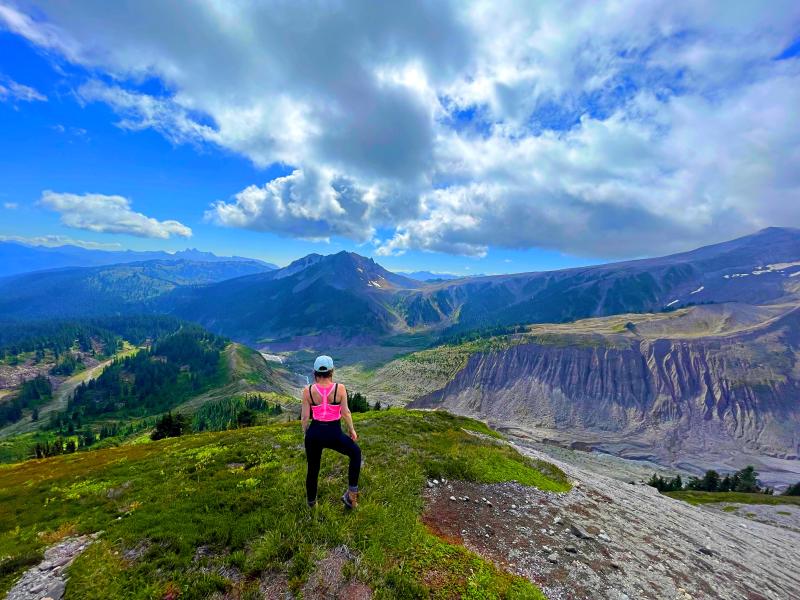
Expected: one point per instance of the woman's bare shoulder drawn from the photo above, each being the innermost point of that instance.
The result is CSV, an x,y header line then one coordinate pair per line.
x,y
342,393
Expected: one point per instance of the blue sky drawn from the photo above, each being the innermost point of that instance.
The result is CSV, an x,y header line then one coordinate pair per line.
x,y
420,137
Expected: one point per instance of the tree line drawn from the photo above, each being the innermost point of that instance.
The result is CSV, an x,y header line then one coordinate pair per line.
x,y
153,380
67,364
743,480
33,393
230,413
357,402
85,438
59,336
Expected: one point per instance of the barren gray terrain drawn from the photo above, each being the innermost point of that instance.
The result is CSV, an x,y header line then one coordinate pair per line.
x,y
610,539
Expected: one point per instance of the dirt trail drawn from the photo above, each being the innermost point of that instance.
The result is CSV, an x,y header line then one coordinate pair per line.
x,y
611,539
58,403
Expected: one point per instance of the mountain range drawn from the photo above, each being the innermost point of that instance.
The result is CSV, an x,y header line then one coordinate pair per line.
x,y
16,257
688,359
108,290
349,298
431,276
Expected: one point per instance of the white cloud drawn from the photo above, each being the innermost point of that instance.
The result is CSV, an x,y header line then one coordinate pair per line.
x,y
140,111
314,205
600,128
73,131
53,241
109,214
303,204
10,205
11,90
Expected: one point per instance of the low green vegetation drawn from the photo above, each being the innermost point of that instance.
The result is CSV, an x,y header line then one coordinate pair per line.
x,y
695,497
239,495
20,447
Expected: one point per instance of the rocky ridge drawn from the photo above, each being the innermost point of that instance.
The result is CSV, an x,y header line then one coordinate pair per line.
x,y
717,401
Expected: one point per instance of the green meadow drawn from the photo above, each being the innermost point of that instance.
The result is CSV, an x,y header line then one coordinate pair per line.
x,y
239,495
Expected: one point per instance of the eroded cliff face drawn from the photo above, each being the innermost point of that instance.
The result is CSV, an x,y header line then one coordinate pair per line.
x,y
675,401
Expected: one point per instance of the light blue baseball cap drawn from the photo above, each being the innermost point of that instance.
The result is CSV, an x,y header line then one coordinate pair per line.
x,y
323,364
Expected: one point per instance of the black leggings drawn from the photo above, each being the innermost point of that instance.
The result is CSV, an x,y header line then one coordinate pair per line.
x,y
329,435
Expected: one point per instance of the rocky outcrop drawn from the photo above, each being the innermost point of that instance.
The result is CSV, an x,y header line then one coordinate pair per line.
x,y
610,539
679,401
48,580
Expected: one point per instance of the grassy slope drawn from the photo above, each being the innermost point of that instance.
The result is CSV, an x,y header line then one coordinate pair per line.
x,y
182,493
694,497
244,371
415,374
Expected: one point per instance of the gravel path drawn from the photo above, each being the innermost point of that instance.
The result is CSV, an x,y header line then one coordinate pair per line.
x,y
611,539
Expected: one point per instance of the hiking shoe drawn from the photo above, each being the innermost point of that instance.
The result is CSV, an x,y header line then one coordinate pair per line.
x,y
350,499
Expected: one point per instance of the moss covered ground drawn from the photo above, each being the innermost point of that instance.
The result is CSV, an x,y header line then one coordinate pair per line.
x,y
239,495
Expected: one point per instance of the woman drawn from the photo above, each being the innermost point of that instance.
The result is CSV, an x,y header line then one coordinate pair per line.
x,y
324,404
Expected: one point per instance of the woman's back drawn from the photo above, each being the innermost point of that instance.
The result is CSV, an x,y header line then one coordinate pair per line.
x,y
325,406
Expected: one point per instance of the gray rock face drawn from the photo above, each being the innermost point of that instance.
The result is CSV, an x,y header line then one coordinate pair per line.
x,y
48,579
693,403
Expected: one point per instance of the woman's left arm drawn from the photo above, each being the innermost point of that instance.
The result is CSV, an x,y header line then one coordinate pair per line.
x,y
305,411
348,417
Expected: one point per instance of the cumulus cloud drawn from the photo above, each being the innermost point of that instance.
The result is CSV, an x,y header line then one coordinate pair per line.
x,y
303,204
53,241
314,205
10,205
11,90
604,128
109,214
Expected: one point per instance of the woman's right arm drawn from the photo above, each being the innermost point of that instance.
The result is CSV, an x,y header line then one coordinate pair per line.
x,y
305,411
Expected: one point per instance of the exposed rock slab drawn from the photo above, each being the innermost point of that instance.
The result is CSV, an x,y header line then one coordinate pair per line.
x,y
645,545
48,579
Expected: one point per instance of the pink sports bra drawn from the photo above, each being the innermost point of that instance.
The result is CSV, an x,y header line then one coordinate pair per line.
x,y
326,411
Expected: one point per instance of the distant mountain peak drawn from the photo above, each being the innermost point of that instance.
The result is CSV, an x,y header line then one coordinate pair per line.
x,y
17,257
344,269
431,276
